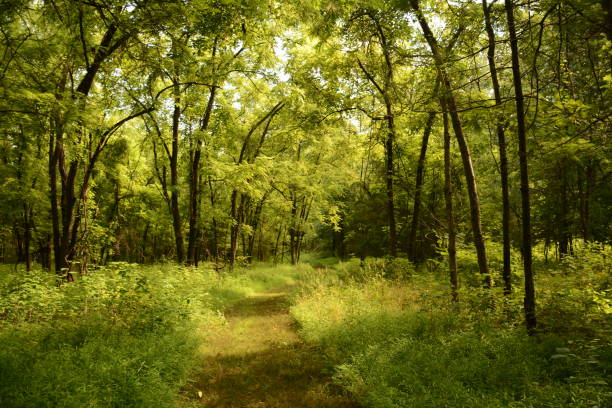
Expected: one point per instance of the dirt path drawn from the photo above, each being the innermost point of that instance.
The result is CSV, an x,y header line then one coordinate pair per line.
x,y
257,360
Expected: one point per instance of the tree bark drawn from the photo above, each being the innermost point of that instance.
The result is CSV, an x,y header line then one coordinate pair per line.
x,y
418,186
466,157
194,181
503,159
389,144
529,301
174,194
64,235
450,216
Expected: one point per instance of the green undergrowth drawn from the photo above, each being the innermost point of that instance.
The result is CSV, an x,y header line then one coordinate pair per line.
x,y
402,342
121,336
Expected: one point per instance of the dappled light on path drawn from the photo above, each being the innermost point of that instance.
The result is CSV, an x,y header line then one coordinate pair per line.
x,y
257,360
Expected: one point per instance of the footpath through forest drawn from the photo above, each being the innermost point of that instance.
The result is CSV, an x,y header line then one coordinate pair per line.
x,y
258,360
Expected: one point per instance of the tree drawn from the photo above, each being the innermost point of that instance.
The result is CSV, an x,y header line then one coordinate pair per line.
x,y
529,303
470,176
501,139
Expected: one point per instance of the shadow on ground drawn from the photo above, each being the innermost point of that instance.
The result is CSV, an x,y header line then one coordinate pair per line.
x,y
258,361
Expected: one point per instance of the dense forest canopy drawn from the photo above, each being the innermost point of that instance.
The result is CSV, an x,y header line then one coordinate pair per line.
x,y
232,131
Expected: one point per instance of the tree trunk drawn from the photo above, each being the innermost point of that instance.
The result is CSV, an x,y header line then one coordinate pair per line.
x,y
64,238
58,250
143,247
255,225
278,236
390,171
391,132
466,157
503,159
293,232
174,194
418,186
194,180
215,232
235,214
27,235
529,301
450,216
590,176
563,224
44,252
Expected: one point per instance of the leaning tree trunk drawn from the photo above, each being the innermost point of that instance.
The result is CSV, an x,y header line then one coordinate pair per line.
x,y
466,157
503,159
529,301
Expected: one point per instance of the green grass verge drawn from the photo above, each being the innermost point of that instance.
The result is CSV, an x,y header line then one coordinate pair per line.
x,y
403,343
122,336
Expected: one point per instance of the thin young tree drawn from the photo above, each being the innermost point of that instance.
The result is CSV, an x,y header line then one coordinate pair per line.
x,y
529,301
501,140
470,176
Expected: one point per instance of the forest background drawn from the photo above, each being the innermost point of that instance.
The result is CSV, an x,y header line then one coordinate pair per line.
x,y
465,140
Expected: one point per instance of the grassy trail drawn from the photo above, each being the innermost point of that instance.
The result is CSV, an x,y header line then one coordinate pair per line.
x,y
257,360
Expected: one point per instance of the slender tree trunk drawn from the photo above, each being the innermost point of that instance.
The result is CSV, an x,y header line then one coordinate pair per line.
x,y
563,224
63,238
590,175
27,235
529,302
418,186
293,232
58,250
194,179
466,157
283,246
278,236
450,216
503,159
389,144
235,214
384,91
215,233
44,251
174,194
255,225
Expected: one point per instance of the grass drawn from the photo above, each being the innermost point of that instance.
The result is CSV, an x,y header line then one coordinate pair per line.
x,y
403,343
167,336
125,335
257,359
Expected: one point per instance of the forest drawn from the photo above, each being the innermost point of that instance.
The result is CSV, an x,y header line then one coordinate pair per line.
x,y
326,203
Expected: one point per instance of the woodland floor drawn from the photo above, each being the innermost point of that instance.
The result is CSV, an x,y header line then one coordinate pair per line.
x,y
258,360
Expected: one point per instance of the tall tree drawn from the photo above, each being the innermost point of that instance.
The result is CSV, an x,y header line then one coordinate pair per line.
x,y
468,167
448,198
385,90
501,140
529,301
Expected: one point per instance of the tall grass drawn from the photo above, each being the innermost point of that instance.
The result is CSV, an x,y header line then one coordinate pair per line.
x,y
122,336
404,343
